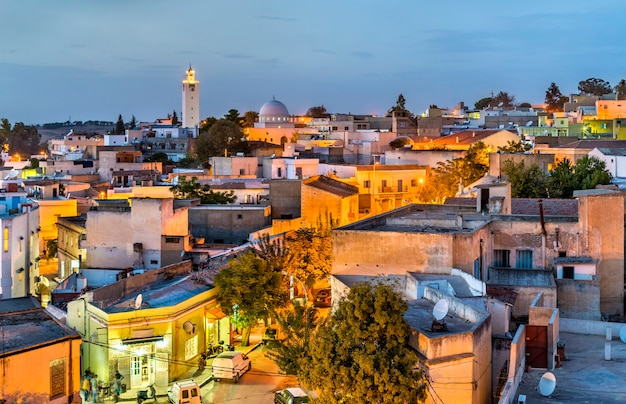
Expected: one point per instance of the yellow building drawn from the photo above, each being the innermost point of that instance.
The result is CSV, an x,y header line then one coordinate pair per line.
x,y
150,327
40,356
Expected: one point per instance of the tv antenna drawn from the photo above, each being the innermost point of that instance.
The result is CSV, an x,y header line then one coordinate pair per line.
x,y
547,384
440,311
138,301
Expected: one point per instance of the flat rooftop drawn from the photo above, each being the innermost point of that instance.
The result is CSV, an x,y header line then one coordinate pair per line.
x,y
419,316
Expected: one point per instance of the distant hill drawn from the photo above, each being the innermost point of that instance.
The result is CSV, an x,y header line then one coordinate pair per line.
x,y
58,130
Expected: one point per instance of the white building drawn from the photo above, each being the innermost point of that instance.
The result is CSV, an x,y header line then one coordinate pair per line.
x,y
191,100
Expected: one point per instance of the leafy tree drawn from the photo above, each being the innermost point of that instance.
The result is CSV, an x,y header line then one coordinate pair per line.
x,y
554,99
561,182
620,90
591,171
317,112
399,107
133,123
207,123
594,86
175,120
483,103
187,162
399,142
249,118
525,105
309,253
249,289
507,101
463,170
119,126
5,130
526,182
292,353
159,157
515,147
273,251
223,138
24,140
233,116
361,353
192,189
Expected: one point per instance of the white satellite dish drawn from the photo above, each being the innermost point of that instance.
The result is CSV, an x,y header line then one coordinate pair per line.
x,y
440,310
622,334
138,301
547,384
529,123
500,104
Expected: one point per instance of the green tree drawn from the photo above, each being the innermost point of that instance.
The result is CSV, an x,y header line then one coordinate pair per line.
x,y
249,289
449,175
309,253
483,103
291,354
591,171
399,142
317,112
5,131
504,100
594,86
554,99
133,123
159,157
206,124
119,126
525,105
561,182
192,189
249,118
361,353
515,147
175,118
526,182
24,140
400,106
233,116
620,90
223,138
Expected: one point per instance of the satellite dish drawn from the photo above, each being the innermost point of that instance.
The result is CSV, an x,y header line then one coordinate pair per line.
x,y
547,384
138,301
500,104
529,123
440,310
622,334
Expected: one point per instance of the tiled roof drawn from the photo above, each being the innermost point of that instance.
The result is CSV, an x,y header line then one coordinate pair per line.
x,y
466,137
330,185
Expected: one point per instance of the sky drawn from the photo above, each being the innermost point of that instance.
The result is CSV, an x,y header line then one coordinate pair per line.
x,y
83,60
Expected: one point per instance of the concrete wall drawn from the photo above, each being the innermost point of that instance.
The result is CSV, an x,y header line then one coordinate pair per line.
x,y
579,299
227,224
321,205
285,198
496,161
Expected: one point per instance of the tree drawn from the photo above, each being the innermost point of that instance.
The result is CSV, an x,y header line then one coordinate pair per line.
x,y
399,142
159,157
24,140
561,182
133,123
291,354
119,126
525,105
483,103
249,118
206,124
400,106
594,86
591,171
317,112
515,147
361,353
620,90
249,289
5,131
554,99
504,100
233,116
526,182
192,189
309,253
461,171
223,138
175,118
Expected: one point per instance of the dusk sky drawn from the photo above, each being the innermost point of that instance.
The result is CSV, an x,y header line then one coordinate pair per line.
x,y
93,60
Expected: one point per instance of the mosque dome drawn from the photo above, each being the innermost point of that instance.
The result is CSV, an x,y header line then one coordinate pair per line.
x,y
273,111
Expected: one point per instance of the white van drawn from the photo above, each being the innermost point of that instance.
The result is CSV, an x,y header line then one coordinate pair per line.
x,y
184,392
230,365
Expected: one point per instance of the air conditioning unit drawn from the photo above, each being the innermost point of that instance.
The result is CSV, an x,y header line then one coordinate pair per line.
x,y
521,399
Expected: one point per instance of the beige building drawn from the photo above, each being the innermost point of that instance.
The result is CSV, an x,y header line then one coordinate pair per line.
x,y
71,253
141,233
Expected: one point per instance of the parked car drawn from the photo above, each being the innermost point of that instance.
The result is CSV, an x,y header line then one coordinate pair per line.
x,y
230,365
270,334
292,395
322,298
186,391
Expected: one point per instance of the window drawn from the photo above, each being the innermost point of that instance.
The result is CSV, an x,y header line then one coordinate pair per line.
x,y
6,239
568,272
280,172
366,184
191,347
239,217
401,124
524,259
501,258
172,240
346,128
334,128
154,262
603,126
57,377
242,171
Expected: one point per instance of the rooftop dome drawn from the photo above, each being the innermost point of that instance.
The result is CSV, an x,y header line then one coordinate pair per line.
x,y
274,108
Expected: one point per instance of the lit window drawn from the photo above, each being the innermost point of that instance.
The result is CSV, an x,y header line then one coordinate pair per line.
x,y
6,239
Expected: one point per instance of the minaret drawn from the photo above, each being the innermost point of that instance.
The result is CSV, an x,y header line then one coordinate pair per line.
x,y
191,100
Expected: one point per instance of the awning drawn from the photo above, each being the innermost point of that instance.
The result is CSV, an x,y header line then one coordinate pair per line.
x,y
144,340
215,313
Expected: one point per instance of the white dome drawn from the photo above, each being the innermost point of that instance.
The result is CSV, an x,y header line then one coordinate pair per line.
x,y
273,109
